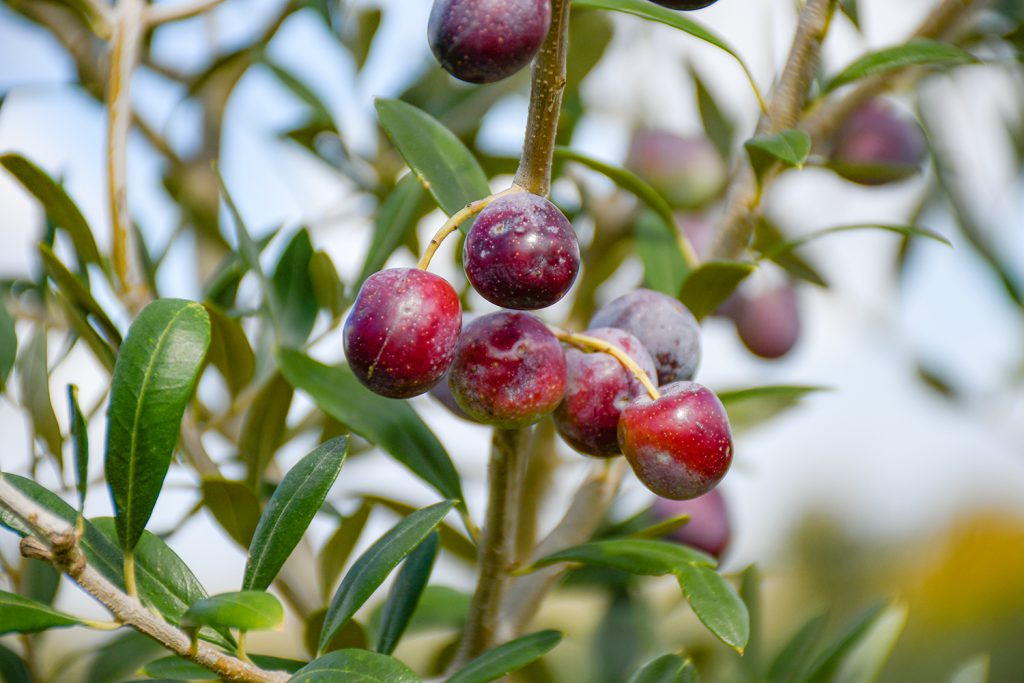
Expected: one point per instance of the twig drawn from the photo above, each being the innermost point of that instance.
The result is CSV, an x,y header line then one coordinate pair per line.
x,y
497,542
579,523
457,219
534,173
57,538
162,14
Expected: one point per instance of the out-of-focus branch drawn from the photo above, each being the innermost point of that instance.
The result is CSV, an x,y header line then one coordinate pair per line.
x,y
588,508
58,544
163,13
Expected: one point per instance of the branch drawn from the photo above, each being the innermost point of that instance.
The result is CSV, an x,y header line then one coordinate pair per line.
x,y
58,538
534,173
497,542
578,525
162,14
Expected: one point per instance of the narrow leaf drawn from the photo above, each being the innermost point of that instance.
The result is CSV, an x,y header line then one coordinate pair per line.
x,y
245,610
59,207
235,507
504,659
828,662
35,395
339,546
451,539
716,604
917,52
21,615
292,507
634,555
905,230
712,283
156,372
439,159
795,658
392,425
405,594
77,293
79,445
230,351
665,669
396,220
373,566
264,427
665,267
360,666
8,345
13,668
974,670
767,236
120,658
717,126
749,408
864,662
790,147
328,288
292,286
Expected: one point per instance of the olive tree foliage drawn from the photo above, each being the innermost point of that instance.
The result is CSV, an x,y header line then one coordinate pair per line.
x,y
226,368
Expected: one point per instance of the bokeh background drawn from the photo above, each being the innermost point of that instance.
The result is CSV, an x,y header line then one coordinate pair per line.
x,y
905,480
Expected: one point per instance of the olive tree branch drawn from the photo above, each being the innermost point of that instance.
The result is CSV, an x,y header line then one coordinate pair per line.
x,y
534,173
164,13
58,543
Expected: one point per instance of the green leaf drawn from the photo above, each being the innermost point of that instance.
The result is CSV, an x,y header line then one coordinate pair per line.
x,y
790,147
711,284
339,546
177,669
244,610
328,288
359,39
451,539
767,235
851,8
787,246
121,657
13,668
634,555
59,207
235,507
864,661
750,407
264,427
717,126
39,581
374,565
357,666
440,607
750,594
716,604
665,268
79,444
21,615
156,372
439,159
230,351
665,669
77,293
292,507
35,395
666,233
652,12
292,286
392,425
827,663
917,52
974,670
405,594
396,220
8,345
795,658
504,659
661,528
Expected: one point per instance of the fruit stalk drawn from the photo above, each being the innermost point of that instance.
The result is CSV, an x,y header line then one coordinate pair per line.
x,y
594,344
534,173
457,219
496,551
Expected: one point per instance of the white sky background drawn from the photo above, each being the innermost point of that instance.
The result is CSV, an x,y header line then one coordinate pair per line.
x,y
881,452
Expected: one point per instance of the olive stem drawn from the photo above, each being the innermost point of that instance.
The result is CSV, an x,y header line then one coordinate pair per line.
x,y
457,219
594,344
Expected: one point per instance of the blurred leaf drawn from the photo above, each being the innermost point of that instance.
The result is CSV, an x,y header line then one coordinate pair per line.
x,y
339,547
974,670
292,288
374,565
392,425
662,528
359,39
230,351
916,52
439,159
750,407
405,594
235,507
13,668
906,230
35,395
590,34
439,608
504,659
633,183
716,604
620,638
717,126
452,541
790,147
665,669
264,427
826,665
245,610
39,581
77,293
8,345
768,236
637,556
396,218
157,369
355,665
750,595
21,615
351,636
120,658
711,284
665,268
178,669
795,658
101,349
652,12
59,207
292,507
328,288
937,382
864,662
300,90
80,445
852,11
